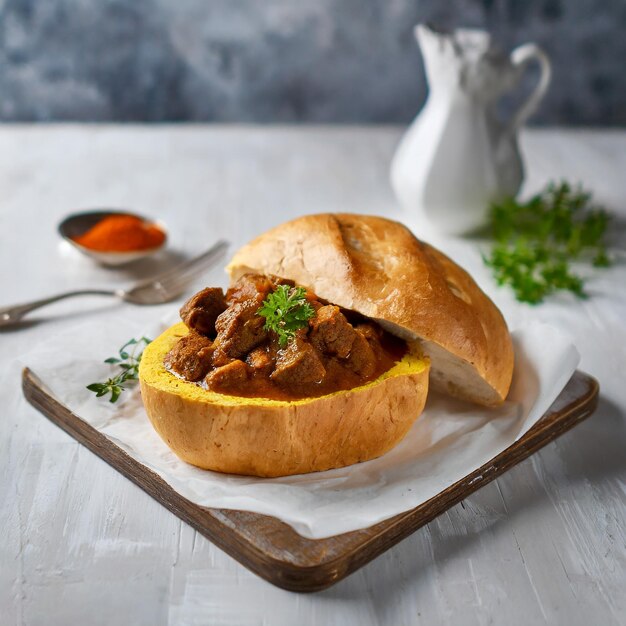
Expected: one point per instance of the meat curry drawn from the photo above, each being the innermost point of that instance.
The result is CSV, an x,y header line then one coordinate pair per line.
x,y
230,349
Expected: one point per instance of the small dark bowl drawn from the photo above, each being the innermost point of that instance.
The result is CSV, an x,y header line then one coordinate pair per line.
x,y
78,224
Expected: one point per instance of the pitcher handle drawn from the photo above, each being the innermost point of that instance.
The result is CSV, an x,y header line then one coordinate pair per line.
x,y
521,57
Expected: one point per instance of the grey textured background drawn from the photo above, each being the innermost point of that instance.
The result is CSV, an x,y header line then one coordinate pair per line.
x,y
285,60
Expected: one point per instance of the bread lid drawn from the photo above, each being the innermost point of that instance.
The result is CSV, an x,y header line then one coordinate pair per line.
x,y
378,268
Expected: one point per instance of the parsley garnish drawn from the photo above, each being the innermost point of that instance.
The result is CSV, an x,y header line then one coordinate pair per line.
x,y
535,242
129,359
285,311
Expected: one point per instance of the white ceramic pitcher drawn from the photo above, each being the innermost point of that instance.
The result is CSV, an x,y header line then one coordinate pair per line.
x,y
457,157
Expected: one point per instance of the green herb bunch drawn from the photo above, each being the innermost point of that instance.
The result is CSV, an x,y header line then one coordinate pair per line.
x,y
285,311
128,362
535,242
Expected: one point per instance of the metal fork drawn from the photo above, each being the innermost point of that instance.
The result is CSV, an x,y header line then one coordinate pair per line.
x,y
157,290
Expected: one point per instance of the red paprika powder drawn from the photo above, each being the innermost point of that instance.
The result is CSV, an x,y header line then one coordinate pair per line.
x,y
121,233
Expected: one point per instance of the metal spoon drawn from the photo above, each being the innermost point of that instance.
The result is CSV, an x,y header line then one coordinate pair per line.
x,y
157,290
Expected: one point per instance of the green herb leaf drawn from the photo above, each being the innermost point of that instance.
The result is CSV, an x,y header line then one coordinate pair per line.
x,y
116,390
286,310
535,242
128,363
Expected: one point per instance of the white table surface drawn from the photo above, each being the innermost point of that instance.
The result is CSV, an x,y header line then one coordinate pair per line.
x,y
80,544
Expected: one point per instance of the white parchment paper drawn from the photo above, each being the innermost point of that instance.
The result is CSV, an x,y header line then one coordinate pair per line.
x,y
449,441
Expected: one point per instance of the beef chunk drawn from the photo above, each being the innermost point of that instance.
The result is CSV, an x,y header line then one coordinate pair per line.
x,y
298,364
191,356
331,332
240,329
261,360
256,286
362,358
372,333
219,356
201,310
230,377
277,280
249,286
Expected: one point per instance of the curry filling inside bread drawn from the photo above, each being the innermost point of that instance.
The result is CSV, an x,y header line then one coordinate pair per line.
x,y
319,353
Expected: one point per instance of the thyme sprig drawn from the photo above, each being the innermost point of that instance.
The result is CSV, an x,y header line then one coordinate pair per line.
x,y
535,242
128,359
285,311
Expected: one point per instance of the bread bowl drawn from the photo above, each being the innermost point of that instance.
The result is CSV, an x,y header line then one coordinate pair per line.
x,y
401,304
260,437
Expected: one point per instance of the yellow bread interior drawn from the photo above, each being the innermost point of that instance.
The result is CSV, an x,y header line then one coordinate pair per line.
x,y
153,372
263,437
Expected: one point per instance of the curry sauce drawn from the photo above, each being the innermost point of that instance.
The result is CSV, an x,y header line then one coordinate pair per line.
x,y
231,348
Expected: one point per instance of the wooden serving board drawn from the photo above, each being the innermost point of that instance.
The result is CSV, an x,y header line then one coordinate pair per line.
x,y
272,549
